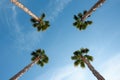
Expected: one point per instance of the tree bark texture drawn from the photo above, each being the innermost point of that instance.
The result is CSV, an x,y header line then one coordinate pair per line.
x,y
25,69
92,9
20,5
95,72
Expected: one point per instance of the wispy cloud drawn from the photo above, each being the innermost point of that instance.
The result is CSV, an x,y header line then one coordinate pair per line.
x,y
111,68
30,37
65,73
57,7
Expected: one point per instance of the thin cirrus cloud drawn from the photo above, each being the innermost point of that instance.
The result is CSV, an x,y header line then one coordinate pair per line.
x,y
56,7
67,72
110,70
21,37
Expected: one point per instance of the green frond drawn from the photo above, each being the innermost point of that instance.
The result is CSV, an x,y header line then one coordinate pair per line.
x,y
44,27
46,59
40,63
43,16
89,22
38,51
39,28
75,17
43,52
80,27
76,63
88,57
84,50
80,15
35,24
33,53
82,64
47,23
75,24
85,12
33,58
74,57
83,27
33,20
76,52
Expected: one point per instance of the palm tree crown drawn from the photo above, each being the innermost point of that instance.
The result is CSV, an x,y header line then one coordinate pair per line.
x,y
79,23
40,24
40,54
78,57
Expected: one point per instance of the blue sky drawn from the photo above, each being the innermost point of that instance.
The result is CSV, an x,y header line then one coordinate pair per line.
x,y
19,39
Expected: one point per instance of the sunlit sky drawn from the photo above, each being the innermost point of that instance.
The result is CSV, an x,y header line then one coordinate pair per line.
x,y
18,39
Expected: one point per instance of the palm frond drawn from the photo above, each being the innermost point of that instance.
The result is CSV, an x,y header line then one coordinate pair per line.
x,y
38,51
46,59
85,11
89,22
80,15
74,57
88,57
40,63
42,16
35,24
39,28
33,58
84,50
75,17
76,52
75,24
82,64
33,20
76,63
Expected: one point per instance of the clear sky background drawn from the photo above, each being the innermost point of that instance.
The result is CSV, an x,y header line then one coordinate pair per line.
x,y
18,39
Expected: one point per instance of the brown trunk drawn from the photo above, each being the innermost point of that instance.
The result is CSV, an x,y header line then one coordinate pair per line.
x,y
20,5
19,74
95,73
93,8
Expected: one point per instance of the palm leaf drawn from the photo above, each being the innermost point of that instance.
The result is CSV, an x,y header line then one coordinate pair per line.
x,y
40,63
38,51
89,58
75,24
74,57
76,63
85,12
82,64
84,50
89,22
76,52
42,16
33,58
80,15
39,28
45,60
75,17
33,20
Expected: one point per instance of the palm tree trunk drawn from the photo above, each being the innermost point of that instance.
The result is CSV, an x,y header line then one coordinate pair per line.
x,y
19,74
97,74
20,5
93,8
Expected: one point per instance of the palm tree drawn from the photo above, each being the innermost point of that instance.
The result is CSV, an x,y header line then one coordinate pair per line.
x,y
93,8
81,58
38,57
81,25
38,22
40,25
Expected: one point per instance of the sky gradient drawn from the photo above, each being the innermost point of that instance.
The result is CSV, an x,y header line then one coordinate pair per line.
x,y
60,40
